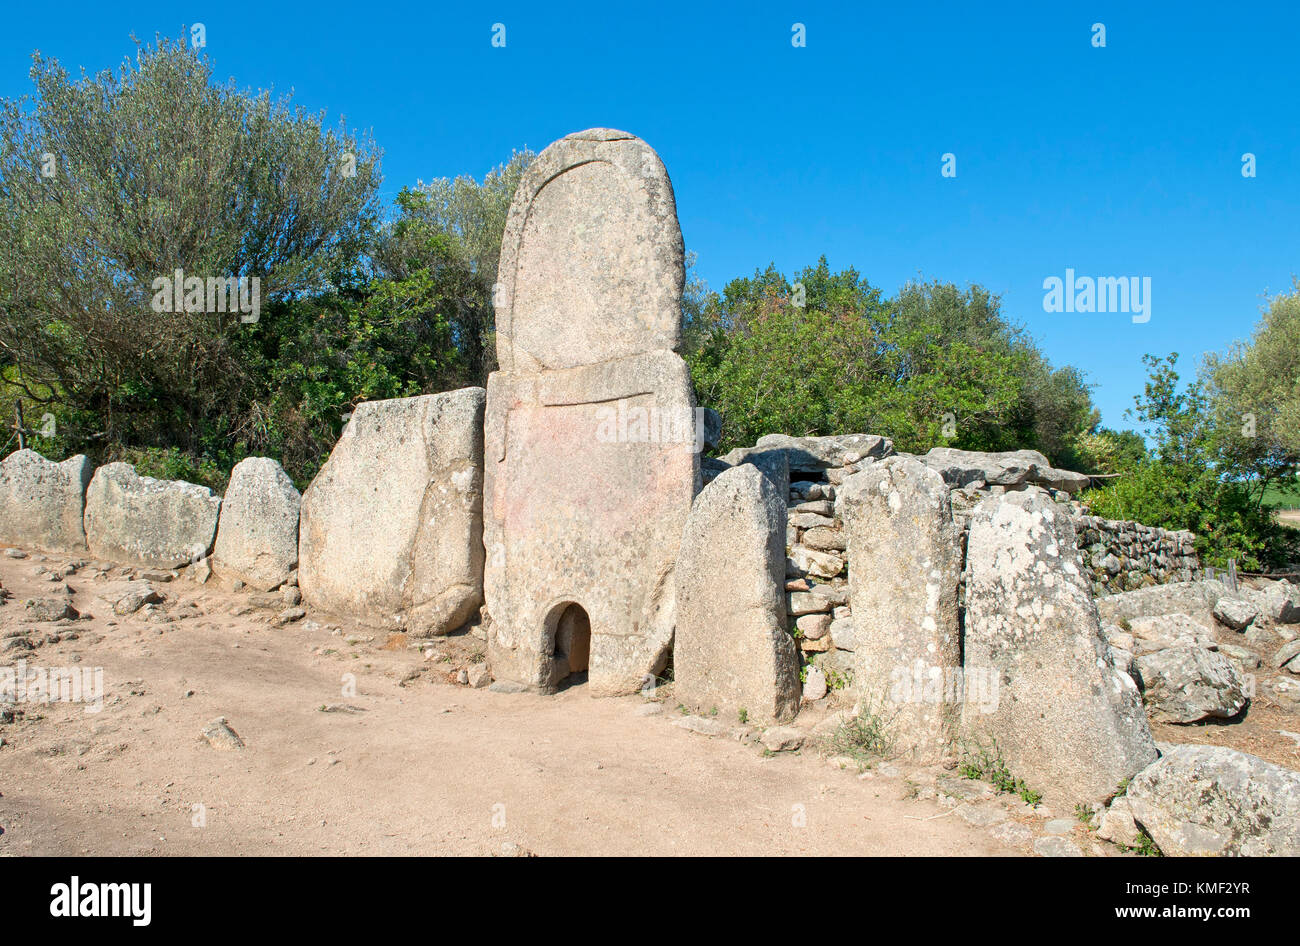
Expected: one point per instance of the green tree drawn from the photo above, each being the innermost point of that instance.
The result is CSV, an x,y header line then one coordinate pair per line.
x,y
451,229
1187,484
1052,407
825,353
1254,396
111,181
1106,451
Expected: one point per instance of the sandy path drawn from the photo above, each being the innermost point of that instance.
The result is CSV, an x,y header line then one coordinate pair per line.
x,y
425,768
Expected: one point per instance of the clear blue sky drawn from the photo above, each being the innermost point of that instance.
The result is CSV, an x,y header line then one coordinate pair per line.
x,y
1122,161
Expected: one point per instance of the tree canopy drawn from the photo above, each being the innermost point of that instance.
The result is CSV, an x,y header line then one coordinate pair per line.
x,y
108,183
826,352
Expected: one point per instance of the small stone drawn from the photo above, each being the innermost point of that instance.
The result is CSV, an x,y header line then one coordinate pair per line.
x,y
288,616
982,815
201,571
700,724
825,539
478,676
800,603
806,561
1117,824
47,609
1286,653
844,633
220,736
820,507
347,708
15,553
1059,826
1236,613
814,626
133,601
782,739
814,685
815,645
1056,847
1011,832
811,521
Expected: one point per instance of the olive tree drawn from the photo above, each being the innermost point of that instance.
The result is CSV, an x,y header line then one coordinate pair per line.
x,y
111,183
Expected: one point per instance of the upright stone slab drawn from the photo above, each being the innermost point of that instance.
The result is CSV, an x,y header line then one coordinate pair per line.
x,y
591,461
139,520
732,649
1065,720
391,528
906,563
42,503
257,535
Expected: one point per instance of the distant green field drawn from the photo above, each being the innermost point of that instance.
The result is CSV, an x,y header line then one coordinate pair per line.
x,y
1284,497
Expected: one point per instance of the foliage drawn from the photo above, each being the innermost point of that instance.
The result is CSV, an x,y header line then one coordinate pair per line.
x,y
1052,407
826,353
1254,393
1146,846
450,229
170,463
44,417
985,762
864,738
1189,484
158,168
1109,451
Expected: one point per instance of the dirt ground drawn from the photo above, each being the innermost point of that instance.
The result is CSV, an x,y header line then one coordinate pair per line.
x,y
358,742
410,764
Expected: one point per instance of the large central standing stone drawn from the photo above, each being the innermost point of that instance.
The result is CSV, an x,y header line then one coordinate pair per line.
x,y
590,461
1065,720
906,555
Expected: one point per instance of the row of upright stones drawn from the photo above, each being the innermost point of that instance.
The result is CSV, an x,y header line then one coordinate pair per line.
x,y
249,536
976,628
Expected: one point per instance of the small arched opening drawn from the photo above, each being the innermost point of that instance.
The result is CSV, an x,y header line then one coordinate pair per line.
x,y
571,650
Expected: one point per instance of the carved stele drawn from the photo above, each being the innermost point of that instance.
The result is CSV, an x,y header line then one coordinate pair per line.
x,y
590,464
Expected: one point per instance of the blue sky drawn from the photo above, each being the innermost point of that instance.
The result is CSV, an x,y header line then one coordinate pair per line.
x,y
1122,161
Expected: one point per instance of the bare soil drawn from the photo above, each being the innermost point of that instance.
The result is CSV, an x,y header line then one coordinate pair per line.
x,y
360,742
409,764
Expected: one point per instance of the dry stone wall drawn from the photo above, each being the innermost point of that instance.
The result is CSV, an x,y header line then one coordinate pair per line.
x,y
1125,555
